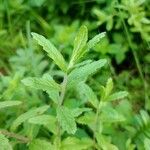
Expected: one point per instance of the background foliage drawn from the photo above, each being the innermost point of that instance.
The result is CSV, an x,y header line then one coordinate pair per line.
x,y
126,46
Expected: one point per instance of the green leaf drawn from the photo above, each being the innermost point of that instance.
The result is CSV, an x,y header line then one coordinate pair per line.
x,y
73,143
111,115
104,143
83,63
79,45
145,117
129,145
12,87
46,83
41,120
48,121
9,104
125,108
81,74
109,24
103,93
147,144
53,53
91,43
106,91
78,111
29,114
39,144
87,118
87,94
66,119
4,143
37,3
54,95
109,87
117,96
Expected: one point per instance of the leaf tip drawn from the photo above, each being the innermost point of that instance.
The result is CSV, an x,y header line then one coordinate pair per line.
x,y
26,81
33,34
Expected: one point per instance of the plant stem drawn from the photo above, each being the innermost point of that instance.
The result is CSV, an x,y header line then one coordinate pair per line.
x,y
61,99
8,16
96,121
16,136
58,136
134,55
63,90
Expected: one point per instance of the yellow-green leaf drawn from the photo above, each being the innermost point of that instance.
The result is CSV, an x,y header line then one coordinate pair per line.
x,y
79,45
9,104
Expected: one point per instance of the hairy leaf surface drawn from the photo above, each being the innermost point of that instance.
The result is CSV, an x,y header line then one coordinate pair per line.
x,y
81,74
40,144
66,119
87,94
79,44
29,114
48,121
78,111
91,43
73,143
117,96
52,51
4,143
46,83
9,104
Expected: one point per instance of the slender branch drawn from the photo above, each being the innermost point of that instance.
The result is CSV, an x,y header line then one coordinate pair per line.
x,y
61,99
21,138
96,120
63,91
138,65
58,136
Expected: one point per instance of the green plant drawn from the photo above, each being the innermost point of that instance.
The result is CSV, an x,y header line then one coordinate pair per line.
x,y
33,122
129,19
104,112
73,75
62,123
